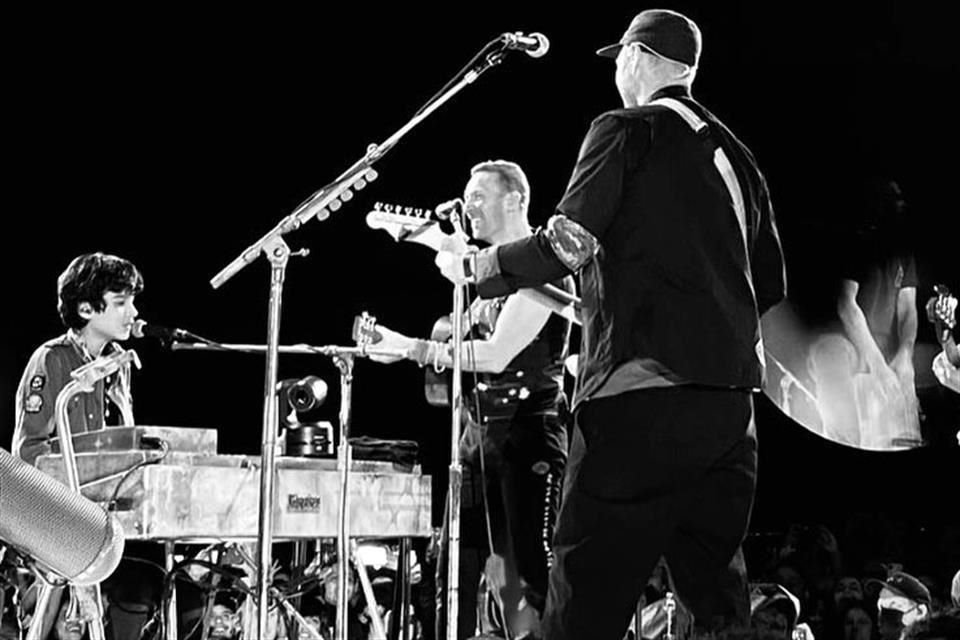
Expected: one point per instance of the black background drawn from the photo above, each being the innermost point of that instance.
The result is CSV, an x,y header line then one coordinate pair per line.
x,y
177,139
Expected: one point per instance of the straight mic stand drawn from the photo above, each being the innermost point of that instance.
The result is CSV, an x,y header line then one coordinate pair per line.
x,y
455,481
344,363
278,254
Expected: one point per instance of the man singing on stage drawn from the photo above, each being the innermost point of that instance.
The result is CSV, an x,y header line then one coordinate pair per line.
x,y
514,446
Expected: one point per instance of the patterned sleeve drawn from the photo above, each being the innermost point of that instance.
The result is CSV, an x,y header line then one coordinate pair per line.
x,y
573,244
46,374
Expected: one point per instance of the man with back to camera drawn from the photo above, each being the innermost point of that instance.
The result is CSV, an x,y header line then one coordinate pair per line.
x,y
667,219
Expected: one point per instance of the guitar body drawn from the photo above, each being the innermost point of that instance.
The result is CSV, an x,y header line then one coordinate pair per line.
x,y
436,386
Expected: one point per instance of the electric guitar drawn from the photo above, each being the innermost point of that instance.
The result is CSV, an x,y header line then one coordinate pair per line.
x,y
406,224
942,312
436,388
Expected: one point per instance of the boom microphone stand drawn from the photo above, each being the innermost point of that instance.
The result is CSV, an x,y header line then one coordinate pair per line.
x,y
320,204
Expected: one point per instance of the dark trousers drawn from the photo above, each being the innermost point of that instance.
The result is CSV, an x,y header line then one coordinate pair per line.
x,y
523,462
660,472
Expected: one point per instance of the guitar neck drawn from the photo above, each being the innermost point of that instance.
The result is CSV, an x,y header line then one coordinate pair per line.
x,y
407,228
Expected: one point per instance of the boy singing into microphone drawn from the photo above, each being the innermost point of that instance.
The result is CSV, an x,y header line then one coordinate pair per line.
x,y
96,304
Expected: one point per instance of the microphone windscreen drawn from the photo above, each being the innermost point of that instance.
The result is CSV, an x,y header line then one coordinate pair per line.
x,y
59,528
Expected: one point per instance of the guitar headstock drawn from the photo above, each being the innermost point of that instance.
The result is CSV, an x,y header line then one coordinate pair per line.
x,y
399,221
364,331
406,224
942,312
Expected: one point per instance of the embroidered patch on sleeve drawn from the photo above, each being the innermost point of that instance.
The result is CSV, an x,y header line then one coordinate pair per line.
x,y
37,382
33,403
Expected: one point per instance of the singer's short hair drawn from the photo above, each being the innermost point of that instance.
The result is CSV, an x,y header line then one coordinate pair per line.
x,y
88,278
510,176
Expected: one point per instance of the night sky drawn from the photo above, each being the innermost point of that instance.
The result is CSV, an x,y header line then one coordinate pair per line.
x,y
176,140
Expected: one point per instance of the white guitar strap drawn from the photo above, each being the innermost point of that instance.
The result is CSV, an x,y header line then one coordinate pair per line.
x,y
720,161
723,165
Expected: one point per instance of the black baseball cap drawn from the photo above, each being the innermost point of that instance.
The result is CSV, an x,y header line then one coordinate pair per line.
x,y
666,33
904,584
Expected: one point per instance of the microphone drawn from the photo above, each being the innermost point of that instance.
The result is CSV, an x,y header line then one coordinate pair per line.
x,y
447,209
59,528
535,45
144,329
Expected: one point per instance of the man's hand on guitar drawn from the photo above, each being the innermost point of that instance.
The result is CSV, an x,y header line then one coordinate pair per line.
x,y
390,339
366,332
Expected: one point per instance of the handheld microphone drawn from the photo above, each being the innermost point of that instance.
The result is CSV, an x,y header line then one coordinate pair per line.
x,y
534,45
144,329
447,209
59,528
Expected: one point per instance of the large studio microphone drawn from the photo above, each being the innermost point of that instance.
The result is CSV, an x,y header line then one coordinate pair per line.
x,y
535,45
59,528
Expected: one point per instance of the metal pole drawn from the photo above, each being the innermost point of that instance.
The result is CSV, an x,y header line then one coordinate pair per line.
x,y
169,546
344,363
403,579
278,253
377,631
456,470
43,601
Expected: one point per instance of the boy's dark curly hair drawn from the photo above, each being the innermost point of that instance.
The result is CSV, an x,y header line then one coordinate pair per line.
x,y
88,278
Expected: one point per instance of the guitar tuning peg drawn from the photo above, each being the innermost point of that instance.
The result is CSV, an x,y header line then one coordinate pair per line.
x,y
359,184
388,208
334,205
346,196
323,214
408,210
378,206
422,213
371,175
